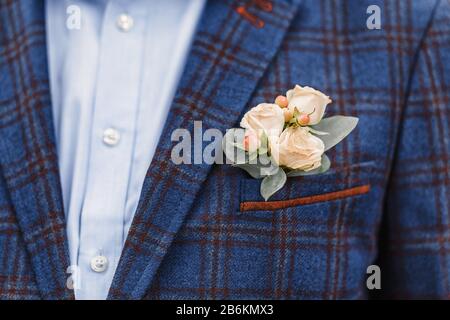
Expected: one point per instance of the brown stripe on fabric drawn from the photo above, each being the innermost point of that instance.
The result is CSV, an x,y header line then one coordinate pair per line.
x,y
281,204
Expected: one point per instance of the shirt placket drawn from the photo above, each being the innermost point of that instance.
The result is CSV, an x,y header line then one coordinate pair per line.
x,y
111,149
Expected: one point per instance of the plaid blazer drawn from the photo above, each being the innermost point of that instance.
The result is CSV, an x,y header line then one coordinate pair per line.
x,y
202,231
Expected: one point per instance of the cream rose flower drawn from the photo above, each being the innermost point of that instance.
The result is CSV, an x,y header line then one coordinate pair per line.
x,y
308,101
265,117
297,148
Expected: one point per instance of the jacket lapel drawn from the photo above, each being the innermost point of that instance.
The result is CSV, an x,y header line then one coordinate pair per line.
x,y
232,48
27,146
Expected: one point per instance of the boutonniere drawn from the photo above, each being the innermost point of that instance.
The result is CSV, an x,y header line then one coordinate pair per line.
x,y
287,138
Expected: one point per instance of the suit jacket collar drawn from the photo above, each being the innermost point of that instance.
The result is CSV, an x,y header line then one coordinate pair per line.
x,y
232,48
28,155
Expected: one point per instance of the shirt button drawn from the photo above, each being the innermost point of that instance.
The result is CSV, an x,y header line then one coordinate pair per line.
x,y
125,22
99,263
111,137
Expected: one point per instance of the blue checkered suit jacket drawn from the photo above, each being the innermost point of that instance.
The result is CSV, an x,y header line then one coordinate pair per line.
x,y
201,231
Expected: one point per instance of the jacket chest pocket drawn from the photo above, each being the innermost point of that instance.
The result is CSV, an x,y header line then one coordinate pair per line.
x,y
349,183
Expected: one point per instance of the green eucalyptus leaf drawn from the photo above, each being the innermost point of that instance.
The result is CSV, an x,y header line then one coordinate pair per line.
x,y
262,167
264,140
273,183
252,157
267,166
268,170
325,165
239,146
317,132
262,150
338,128
264,147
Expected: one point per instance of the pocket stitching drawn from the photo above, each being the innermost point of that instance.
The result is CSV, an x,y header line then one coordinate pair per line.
x,y
324,197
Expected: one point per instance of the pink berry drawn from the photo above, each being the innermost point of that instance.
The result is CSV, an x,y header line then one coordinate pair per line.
x,y
304,119
282,101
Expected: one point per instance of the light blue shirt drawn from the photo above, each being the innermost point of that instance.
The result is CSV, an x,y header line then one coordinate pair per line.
x,y
114,67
